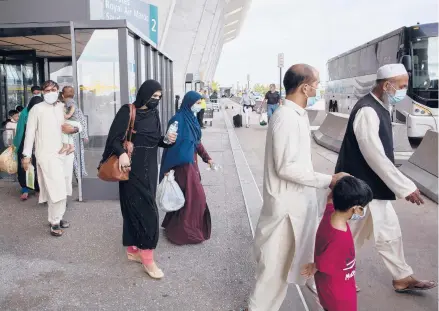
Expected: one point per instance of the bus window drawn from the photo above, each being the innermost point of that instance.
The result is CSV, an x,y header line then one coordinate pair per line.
x,y
387,51
425,63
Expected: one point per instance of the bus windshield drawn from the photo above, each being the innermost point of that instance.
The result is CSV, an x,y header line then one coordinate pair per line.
x,y
425,64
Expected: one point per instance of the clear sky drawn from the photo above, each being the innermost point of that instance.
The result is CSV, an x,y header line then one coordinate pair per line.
x,y
311,31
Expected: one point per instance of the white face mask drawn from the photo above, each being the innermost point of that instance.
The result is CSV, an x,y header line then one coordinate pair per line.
x,y
196,108
51,97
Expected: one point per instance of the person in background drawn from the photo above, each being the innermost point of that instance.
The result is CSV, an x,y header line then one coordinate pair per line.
x,y
10,127
286,230
35,90
191,224
44,130
214,97
68,94
19,144
272,99
369,140
19,108
200,114
137,195
246,108
334,253
177,102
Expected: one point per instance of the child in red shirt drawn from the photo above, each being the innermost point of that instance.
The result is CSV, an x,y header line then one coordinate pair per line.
x,y
334,254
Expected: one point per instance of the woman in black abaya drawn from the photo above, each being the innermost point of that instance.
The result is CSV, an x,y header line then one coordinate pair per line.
x,y
137,195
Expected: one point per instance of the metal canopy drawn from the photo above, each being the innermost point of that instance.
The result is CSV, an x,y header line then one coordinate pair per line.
x,y
53,40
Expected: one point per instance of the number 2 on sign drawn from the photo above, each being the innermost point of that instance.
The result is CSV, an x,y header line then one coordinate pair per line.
x,y
154,24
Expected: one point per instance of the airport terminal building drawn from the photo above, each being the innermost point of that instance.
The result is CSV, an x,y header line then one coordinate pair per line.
x,y
105,49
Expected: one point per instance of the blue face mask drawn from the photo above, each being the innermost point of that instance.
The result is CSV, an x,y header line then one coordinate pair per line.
x,y
359,217
398,97
311,101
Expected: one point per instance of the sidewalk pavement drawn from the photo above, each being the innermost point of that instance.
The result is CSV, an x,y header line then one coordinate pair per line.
x,y
87,269
419,228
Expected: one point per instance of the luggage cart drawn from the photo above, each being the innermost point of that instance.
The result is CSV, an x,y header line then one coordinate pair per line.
x,y
208,114
215,105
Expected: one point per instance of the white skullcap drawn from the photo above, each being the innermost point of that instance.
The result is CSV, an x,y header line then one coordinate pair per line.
x,y
391,71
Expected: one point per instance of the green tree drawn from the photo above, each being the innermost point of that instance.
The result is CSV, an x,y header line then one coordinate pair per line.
x,y
215,86
261,88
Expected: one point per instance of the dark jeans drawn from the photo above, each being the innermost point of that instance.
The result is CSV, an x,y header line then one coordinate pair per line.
x,y
200,117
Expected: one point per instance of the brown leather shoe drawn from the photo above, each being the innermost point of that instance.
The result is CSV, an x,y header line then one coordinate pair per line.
x,y
410,284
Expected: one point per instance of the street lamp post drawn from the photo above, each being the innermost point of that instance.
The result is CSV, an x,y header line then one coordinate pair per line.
x,y
280,64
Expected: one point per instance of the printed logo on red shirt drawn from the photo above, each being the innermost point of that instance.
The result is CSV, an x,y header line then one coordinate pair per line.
x,y
350,264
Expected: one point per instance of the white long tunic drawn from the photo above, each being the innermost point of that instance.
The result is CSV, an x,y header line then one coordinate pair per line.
x,y
289,191
54,170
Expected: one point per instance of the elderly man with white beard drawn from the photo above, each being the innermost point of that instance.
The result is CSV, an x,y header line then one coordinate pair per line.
x,y
367,153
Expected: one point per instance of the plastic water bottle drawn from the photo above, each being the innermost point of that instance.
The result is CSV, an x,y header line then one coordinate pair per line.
x,y
172,130
213,167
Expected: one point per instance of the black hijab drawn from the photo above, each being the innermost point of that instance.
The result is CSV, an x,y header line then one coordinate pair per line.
x,y
145,92
147,122
34,100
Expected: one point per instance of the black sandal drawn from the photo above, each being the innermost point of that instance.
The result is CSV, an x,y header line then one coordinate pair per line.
x,y
56,230
64,224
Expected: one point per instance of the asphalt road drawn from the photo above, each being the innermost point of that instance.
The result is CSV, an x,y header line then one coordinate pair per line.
x,y
419,227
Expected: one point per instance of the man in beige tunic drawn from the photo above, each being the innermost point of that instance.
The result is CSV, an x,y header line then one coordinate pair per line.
x,y
285,234
44,128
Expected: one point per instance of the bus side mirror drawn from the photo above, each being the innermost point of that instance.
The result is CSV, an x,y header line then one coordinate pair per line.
x,y
406,60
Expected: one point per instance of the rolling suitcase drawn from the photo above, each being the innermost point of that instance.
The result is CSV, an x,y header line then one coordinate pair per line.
x,y
237,120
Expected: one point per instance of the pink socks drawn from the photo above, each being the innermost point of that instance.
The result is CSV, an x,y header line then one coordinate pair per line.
x,y
147,256
132,249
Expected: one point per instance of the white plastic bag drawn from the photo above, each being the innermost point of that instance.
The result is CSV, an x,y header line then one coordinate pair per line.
x,y
8,161
263,119
169,197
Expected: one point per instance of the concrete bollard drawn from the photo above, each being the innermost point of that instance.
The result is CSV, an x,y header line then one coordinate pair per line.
x,y
422,167
331,132
316,117
400,139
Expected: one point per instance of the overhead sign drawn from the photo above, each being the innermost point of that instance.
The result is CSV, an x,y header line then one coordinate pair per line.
x,y
280,60
142,15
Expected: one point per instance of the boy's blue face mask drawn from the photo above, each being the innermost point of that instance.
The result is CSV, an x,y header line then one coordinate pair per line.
x,y
356,216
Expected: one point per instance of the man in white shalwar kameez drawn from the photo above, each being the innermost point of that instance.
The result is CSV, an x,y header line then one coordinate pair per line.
x,y
44,129
285,234
367,153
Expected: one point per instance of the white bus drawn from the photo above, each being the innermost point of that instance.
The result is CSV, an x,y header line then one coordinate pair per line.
x,y
352,75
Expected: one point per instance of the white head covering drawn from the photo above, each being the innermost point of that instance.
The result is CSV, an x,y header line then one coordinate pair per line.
x,y
391,71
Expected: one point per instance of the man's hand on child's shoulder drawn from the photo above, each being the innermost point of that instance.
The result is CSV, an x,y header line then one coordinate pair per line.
x,y
308,270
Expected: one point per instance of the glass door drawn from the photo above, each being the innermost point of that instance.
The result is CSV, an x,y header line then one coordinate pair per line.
x,y
18,73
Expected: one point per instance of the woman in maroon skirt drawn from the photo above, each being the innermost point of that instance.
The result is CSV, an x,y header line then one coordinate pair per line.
x,y
191,224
